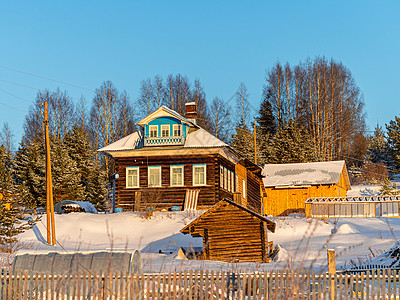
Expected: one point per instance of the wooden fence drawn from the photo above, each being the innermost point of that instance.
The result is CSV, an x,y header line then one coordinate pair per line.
x,y
378,284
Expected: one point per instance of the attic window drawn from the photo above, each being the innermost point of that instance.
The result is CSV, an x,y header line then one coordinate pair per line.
x,y
164,130
177,130
153,131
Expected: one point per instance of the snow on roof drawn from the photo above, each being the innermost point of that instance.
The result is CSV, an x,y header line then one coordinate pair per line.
x,y
130,142
202,138
196,139
164,111
281,175
87,206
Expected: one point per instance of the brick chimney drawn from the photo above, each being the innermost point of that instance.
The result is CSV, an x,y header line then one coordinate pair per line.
x,y
191,112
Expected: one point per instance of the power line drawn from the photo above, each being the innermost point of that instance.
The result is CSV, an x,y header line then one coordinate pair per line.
x,y
13,107
40,90
46,78
62,82
15,96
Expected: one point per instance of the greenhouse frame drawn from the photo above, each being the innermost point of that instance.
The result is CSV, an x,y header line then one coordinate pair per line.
x,y
352,207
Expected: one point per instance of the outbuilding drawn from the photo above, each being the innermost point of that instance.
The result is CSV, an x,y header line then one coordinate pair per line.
x,y
233,233
288,186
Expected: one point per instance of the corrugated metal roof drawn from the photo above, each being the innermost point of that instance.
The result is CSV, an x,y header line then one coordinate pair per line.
x,y
300,174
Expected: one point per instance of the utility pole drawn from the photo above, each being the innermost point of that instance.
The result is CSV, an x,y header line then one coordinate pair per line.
x,y
51,235
255,143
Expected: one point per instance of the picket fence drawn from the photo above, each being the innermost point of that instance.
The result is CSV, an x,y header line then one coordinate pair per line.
x,y
378,284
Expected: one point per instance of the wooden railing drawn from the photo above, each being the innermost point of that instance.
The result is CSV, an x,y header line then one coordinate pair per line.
x,y
164,141
377,284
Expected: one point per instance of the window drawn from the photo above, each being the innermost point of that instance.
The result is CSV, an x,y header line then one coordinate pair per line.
x,y
164,130
221,176
229,181
153,131
132,177
154,177
199,175
233,181
225,178
177,130
244,188
176,175
237,183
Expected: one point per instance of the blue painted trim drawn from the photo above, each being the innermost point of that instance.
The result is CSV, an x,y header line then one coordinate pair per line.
x,y
177,165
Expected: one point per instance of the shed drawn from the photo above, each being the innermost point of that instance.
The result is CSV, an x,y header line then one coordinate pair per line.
x,y
233,233
69,263
353,207
288,186
67,206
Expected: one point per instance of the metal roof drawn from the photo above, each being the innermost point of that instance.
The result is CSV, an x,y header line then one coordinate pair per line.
x,y
302,174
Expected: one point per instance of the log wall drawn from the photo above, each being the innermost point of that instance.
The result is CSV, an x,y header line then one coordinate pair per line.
x,y
225,241
166,196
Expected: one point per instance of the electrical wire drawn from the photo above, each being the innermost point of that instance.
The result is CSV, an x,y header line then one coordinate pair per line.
x,y
15,96
47,78
40,90
13,107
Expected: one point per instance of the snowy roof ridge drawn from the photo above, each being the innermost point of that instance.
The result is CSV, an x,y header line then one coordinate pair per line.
x,y
166,109
295,174
130,142
202,138
199,138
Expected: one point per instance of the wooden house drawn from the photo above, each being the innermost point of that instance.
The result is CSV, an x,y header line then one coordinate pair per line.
x,y
233,233
288,186
172,162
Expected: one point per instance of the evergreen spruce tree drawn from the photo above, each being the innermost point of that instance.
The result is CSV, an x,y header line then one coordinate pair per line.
x,y
388,188
30,173
65,175
92,176
393,133
243,142
291,144
12,220
266,117
378,148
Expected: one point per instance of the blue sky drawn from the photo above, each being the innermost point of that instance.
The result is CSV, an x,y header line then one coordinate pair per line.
x,y
222,43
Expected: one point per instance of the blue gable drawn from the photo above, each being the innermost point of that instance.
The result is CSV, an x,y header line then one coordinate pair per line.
x,y
166,121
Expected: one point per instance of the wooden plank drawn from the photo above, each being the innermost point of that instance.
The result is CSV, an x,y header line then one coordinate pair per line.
x,y
201,284
191,285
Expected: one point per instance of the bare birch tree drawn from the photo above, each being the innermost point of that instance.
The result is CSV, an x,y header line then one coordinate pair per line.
x,y
323,97
221,122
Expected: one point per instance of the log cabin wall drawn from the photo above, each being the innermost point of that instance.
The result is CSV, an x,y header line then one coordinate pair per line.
x,y
166,196
253,192
241,182
228,242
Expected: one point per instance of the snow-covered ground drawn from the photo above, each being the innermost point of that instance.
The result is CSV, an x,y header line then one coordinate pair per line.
x,y
303,241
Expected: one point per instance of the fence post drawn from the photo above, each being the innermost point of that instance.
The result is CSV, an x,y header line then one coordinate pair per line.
x,y
332,272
